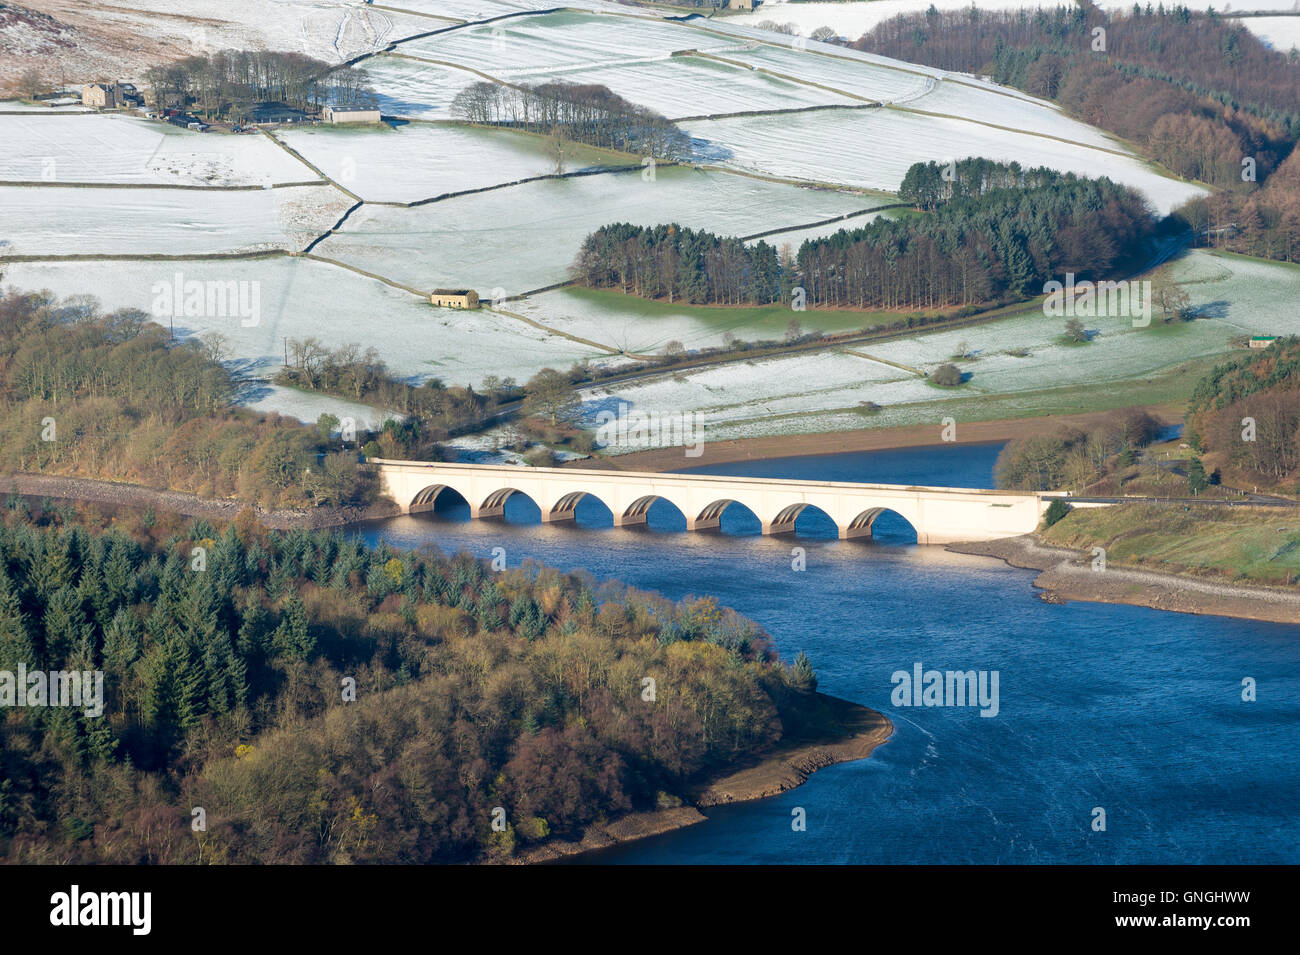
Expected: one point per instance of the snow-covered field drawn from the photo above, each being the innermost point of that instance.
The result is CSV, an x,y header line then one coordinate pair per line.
x,y
1252,296
527,236
873,149
532,48
758,389
20,106
698,86
868,80
1281,33
106,148
306,406
420,161
62,220
819,393
975,100
414,90
471,10
300,297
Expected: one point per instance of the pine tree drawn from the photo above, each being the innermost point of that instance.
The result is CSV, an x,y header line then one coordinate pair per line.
x,y
802,676
157,689
15,645
65,626
122,642
251,640
293,636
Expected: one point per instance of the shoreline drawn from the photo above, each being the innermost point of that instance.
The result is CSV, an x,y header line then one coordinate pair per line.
x,y
122,494
1066,574
862,439
785,769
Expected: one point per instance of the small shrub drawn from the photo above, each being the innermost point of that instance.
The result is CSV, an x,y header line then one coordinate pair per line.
x,y
946,376
1055,511
540,458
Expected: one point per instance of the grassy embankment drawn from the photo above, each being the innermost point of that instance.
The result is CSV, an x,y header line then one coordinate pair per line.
x,y
1244,544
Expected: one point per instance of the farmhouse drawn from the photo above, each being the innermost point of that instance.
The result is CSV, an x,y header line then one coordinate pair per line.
x,y
351,114
1262,341
99,95
129,96
454,298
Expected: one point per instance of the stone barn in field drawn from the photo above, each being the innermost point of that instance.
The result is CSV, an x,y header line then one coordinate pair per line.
x,y
454,298
351,114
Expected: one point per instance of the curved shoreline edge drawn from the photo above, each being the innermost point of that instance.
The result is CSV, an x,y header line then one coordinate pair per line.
x,y
1066,574
786,768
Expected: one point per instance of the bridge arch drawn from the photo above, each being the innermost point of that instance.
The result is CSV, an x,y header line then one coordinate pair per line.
x,y
786,519
566,508
863,525
429,497
494,504
710,516
637,511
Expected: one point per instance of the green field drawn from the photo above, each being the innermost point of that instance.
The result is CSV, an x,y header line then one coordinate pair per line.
x,y
1260,545
750,323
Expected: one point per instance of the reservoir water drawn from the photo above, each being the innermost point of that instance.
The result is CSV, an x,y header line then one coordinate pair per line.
x,y
1135,712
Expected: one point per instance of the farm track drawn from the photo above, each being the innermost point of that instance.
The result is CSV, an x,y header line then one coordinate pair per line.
x,y
1012,129
770,112
884,361
418,13
789,78
554,331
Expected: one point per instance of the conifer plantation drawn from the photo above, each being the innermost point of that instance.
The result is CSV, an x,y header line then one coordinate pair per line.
x,y
992,232
227,688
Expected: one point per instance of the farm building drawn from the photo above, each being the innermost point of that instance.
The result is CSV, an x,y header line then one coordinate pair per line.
x,y
267,113
99,95
454,298
1262,341
351,114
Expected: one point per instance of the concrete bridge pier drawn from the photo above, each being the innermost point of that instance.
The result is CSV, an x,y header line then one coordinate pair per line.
x,y
783,523
708,517
564,510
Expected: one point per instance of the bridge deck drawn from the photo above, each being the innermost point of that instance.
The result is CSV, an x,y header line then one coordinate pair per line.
x,y
939,514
